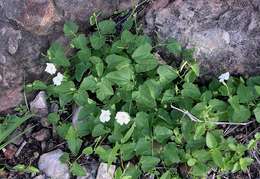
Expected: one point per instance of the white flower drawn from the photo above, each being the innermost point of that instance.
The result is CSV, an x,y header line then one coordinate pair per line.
x,y
58,79
122,118
105,115
50,68
223,77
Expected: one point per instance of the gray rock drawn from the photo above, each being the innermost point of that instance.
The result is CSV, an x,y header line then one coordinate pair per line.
x,y
81,10
225,34
17,63
39,105
51,166
39,177
105,171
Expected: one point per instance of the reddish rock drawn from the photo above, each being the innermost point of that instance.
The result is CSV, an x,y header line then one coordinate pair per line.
x,y
37,16
10,151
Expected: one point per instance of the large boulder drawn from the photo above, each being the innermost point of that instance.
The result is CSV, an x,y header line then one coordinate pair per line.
x,y
27,27
225,34
19,61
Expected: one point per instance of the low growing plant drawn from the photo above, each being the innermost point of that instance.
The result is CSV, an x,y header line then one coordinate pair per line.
x,y
144,115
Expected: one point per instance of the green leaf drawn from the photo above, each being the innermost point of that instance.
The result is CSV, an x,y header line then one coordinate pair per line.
x,y
10,124
148,93
70,28
84,55
117,62
201,155
53,118
162,133
174,47
166,175
245,163
217,157
103,153
87,151
105,89
127,37
257,89
65,158
144,59
168,96
167,73
77,170
128,134
195,68
19,168
211,140
39,85
80,98
245,94
191,90
199,169
128,24
113,153
57,56
257,113
63,129
100,68
32,170
97,41
148,163
127,151
73,141
81,68
107,27
191,162
241,114
99,130
200,131
89,83
143,147
121,77
170,154
79,42
142,51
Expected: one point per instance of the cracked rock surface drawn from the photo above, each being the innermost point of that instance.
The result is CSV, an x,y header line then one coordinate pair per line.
x,y
27,27
225,34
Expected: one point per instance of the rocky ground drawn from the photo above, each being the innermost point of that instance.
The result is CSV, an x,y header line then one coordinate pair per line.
x,y
225,35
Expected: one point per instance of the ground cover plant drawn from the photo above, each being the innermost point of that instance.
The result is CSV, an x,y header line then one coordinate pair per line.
x,y
143,115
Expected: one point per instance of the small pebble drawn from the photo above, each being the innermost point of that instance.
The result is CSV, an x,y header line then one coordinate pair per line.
x,y
44,122
10,151
41,135
39,105
105,171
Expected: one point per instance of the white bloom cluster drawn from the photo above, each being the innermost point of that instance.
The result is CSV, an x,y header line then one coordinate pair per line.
x,y
105,116
223,77
122,118
51,69
58,79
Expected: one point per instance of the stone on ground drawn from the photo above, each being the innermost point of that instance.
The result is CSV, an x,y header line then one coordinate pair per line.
x,y
51,166
105,171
